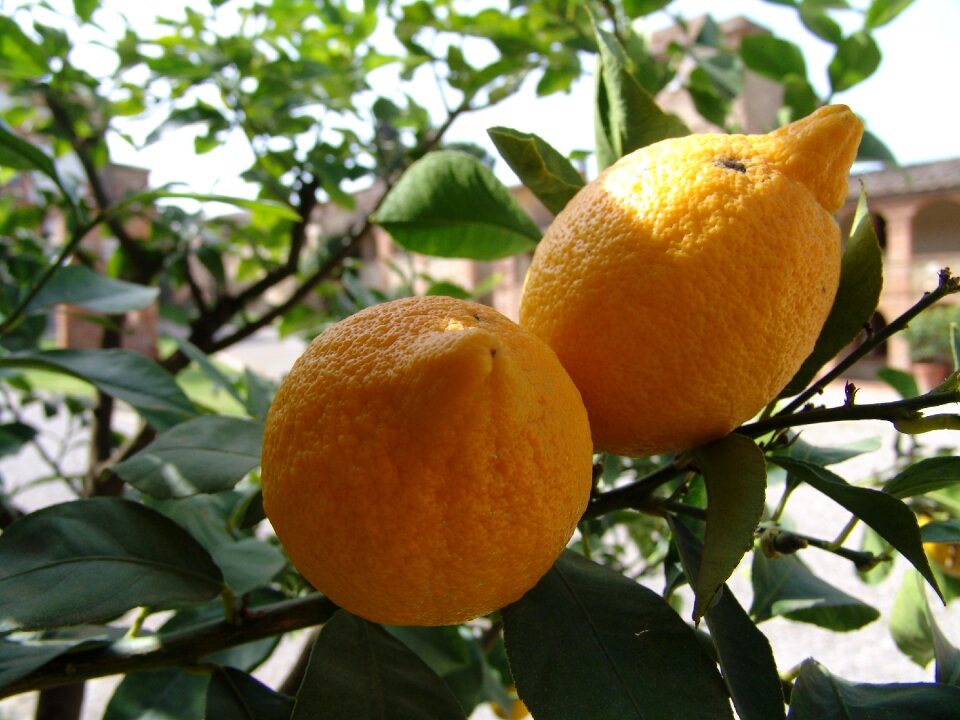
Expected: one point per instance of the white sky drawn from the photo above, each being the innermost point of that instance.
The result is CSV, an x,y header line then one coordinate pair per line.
x,y
911,102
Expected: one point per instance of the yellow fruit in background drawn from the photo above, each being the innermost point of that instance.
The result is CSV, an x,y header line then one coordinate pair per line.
x,y
945,556
426,461
685,285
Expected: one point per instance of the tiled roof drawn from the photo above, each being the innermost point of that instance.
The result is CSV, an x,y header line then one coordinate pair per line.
x,y
914,179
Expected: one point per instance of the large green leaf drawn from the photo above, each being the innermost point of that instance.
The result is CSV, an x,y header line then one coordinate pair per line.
x,y
90,560
450,204
861,279
735,474
772,57
925,476
818,695
627,117
887,515
746,658
541,168
855,59
587,642
122,374
206,454
786,587
79,285
360,671
166,694
235,695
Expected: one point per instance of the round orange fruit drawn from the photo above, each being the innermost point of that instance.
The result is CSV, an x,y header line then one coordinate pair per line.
x,y
685,285
425,461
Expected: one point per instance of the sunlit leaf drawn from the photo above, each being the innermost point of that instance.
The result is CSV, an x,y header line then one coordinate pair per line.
x,y
857,57
627,116
861,280
882,12
449,204
909,620
772,57
541,168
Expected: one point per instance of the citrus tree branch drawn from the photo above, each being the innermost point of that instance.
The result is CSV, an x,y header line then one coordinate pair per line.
x,y
894,411
948,284
184,648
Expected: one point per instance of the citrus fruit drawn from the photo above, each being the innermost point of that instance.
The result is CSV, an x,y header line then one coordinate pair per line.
x,y
425,461
685,285
944,555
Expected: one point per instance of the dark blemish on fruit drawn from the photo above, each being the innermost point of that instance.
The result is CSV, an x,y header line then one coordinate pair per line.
x,y
731,164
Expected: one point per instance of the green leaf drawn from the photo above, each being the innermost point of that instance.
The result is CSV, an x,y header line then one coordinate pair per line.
x,y
803,450
799,97
946,655
79,285
925,476
882,12
873,149
360,671
23,652
856,59
627,116
206,454
248,564
903,382
443,649
449,204
546,172
122,374
90,560
772,57
820,23
266,208
909,620
639,8
17,153
167,694
735,474
15,435
234,694
941,531
818,695
786,587
887,515
861,279
585,633
746,658
209,368
20,57
84,8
